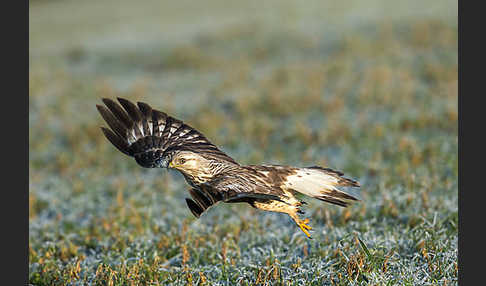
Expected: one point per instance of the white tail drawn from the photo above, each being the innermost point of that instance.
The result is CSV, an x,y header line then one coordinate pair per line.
x,y
321,183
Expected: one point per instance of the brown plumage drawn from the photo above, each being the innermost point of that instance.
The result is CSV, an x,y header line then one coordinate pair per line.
x,y
157,140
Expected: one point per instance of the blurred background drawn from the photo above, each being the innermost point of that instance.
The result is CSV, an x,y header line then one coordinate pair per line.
x,y
365,87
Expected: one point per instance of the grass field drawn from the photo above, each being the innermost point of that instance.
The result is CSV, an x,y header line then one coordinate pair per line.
x,y
365,87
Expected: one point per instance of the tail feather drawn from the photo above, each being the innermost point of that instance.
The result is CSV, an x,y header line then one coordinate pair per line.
x,y
323,184
339,175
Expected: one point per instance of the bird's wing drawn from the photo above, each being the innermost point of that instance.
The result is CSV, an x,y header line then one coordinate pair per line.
x,y
145,133
230,189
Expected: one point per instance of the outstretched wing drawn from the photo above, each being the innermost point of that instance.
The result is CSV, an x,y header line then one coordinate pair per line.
x,y
146,134
230,189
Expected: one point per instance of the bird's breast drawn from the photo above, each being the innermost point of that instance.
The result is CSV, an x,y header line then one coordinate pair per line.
x,y
195,180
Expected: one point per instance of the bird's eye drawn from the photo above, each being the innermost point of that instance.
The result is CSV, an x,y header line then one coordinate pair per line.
x,y
182,161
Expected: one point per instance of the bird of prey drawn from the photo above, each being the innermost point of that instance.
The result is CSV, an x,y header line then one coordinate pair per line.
x,y
157,140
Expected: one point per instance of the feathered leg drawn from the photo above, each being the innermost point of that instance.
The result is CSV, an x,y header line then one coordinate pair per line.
x,y
291,209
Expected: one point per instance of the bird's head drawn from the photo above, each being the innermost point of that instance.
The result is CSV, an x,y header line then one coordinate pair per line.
x,y
188,162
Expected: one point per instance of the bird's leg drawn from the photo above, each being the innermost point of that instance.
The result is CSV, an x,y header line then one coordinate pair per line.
x,y
298,205
302,224
290,208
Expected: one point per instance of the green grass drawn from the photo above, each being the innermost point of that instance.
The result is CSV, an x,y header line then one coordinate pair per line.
x,y
368,90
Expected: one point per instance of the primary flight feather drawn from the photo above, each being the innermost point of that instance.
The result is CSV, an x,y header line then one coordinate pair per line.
x,y
157,140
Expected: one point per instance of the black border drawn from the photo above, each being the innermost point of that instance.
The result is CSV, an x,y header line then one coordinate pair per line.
x,y
15,143
470,135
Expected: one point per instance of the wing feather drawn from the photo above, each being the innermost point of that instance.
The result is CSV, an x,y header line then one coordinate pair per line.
x,y
118,112
116,140
146,117
119,128
135,115
196,209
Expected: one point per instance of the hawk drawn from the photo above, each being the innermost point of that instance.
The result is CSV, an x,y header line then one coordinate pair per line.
x,y
157,140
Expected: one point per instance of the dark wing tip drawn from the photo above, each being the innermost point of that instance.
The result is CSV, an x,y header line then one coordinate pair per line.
x,y
195,208
143,106
101,108
107,101
332,200
118,142
122,100
132,110
117,126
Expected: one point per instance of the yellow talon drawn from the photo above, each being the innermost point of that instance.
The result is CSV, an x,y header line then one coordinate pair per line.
x,y
305,222
304,227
